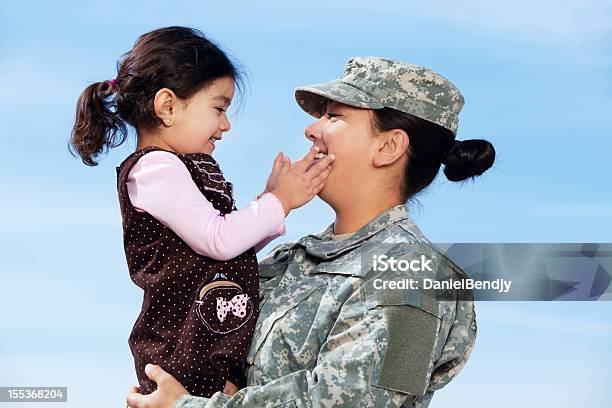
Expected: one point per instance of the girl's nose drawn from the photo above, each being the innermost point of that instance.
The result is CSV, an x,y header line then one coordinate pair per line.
x,y
225,125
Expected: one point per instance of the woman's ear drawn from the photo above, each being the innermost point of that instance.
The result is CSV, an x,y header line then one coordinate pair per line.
x,y
165,103
392,146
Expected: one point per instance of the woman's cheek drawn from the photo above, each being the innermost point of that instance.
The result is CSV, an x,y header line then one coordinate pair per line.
x,y
330,132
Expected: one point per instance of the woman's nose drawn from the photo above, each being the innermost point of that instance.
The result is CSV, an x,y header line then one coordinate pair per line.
x,y
310,136
313,131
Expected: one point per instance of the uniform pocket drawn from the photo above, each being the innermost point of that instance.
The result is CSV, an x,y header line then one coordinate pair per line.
x,y
274,310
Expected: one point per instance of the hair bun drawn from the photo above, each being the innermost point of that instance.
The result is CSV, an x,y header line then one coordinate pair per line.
x,y
468,158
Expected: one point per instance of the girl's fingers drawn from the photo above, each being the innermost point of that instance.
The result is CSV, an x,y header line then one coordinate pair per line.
x,y
277,166
285,165
320,166
310,156
278,163
321,177
318,188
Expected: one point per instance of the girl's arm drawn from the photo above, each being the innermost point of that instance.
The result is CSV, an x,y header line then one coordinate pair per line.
x,y
160,184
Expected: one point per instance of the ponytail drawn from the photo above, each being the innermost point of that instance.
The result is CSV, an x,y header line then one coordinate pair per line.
x,y
97,128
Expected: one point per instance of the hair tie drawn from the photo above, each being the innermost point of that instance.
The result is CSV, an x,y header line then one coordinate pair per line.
x,y
112,83
446,154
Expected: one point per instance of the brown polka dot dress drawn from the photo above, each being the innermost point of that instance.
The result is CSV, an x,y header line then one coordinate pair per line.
x,y
198,314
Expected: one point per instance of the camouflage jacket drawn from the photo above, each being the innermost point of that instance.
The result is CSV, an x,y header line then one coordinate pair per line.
x,y
328,336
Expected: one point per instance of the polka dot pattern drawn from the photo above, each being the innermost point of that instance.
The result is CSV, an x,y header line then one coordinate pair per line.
x,y
168,331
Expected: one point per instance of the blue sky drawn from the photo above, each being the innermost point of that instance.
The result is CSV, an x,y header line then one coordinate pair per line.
x,y
537,79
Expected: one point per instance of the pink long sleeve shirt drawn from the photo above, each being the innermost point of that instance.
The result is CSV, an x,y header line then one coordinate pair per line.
x,y
160,184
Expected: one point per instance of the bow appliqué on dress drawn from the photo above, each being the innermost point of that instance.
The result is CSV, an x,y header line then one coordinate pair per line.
x,y
237,305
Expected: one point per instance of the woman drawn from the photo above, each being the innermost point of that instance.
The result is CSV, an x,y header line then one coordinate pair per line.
x,y
333,331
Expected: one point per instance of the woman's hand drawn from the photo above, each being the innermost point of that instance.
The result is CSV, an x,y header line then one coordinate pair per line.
x,y
230,388
296,184
168,390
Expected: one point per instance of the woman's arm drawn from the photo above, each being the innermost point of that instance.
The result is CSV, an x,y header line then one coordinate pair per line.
x,y
160,184
348,371
386,347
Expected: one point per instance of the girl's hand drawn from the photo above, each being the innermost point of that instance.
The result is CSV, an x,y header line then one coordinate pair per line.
x,y
165,396
297,184
281,163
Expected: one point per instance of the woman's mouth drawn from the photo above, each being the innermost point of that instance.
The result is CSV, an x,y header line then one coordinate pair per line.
x,y
318,157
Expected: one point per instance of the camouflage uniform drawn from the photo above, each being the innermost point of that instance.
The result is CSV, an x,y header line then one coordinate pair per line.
x,y
326,337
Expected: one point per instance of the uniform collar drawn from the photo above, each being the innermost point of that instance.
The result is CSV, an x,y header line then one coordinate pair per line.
x,y
321,246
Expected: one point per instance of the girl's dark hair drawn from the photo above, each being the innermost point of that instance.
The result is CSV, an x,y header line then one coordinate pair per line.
x,y
178,58
432,145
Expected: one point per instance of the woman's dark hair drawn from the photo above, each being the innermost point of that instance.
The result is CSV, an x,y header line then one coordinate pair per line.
x,y
432,145
178,58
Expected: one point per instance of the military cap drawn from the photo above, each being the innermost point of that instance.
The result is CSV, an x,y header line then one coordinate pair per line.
x,y
375,83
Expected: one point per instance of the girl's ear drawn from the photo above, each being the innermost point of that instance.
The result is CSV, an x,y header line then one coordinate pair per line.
x,y
392,146
165,103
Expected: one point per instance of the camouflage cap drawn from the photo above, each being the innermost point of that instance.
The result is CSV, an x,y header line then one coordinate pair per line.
x,y
375,83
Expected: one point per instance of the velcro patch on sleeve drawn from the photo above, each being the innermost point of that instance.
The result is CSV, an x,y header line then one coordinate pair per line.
x,y
410,341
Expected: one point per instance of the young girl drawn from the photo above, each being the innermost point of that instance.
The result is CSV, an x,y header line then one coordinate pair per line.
x,y
186,244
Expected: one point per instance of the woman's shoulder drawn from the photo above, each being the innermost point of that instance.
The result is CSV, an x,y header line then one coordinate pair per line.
x,y
405,240
399,237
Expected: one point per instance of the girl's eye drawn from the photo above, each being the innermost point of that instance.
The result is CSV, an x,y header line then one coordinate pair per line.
x,y
220,109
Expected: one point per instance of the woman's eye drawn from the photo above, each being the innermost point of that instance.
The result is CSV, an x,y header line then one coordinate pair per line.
x,y
332,115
